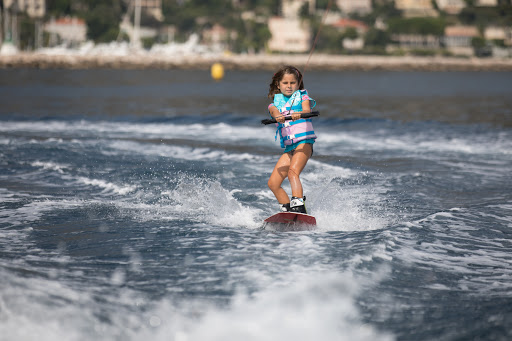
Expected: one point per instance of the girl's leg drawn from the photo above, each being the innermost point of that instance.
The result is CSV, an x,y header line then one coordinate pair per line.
x,y
277,177
299,159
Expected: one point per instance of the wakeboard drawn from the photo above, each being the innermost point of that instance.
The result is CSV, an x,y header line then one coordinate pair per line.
x,y
289,221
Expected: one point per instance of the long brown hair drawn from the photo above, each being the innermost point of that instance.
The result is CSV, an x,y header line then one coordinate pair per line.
x,y
287,69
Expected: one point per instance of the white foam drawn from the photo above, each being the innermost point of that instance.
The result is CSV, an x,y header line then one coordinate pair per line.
x,y
311,306
185,152
344,207
324,172
494,143
487,171
206,200
314,307
33,211
107,187
450,248
60,168
419,143
198,131
47,309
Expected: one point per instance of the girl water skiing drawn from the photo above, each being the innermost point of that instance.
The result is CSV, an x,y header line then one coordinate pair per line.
x,y
290,99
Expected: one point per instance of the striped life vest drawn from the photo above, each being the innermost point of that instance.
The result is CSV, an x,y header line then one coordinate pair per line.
x,y
294,131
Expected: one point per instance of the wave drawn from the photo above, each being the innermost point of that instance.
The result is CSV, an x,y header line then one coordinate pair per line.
x,y
333,139
301,304
465,243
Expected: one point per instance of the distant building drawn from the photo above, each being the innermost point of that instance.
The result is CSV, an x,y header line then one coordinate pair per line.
x,y
289,35
153,8
416,8
355,6
380,24
459,35
360,27
216,35
416,41
33,8
291,8
499,33
166,33
451,6
457,39
353,44
486,3
344,24
331,17
133,32
70,30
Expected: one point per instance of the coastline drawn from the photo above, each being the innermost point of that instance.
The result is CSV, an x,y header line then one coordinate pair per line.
x,y
253,62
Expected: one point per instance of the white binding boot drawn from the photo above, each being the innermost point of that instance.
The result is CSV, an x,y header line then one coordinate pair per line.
x,y
284,207
297,205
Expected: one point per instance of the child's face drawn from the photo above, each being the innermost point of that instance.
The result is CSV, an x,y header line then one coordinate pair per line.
x,y
288,84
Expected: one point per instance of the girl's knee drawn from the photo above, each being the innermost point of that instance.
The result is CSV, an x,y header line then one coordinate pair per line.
x,y
292,173
272,185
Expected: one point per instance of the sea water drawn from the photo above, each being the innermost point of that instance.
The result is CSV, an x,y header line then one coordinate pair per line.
x,y
132,205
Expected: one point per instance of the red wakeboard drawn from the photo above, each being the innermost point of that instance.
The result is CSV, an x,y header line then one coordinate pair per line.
x,y
290,221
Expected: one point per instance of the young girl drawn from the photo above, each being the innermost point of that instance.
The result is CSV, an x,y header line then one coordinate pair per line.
x,y
297,135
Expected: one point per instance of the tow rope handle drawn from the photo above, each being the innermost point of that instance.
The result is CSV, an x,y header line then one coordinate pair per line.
x,y
288,118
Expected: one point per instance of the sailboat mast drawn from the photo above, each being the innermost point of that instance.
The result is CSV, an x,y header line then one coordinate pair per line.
x,y
136,32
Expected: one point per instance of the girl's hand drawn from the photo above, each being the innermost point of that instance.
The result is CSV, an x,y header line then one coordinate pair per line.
x,y
274,112
295,117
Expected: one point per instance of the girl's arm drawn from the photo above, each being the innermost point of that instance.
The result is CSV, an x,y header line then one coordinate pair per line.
x,y
274,112
306,108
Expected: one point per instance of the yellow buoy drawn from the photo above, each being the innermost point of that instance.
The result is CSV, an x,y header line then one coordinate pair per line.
x,y
217,71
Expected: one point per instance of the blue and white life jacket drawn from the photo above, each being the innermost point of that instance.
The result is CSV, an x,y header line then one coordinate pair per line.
x,y
294,131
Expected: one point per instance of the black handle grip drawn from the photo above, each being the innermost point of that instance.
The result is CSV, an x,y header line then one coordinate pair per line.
x,y
287,118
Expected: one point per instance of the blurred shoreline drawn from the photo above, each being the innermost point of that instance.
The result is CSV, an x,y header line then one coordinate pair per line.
x,y
253,62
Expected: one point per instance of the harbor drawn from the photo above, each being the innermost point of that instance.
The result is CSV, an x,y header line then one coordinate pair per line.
x,y
317,62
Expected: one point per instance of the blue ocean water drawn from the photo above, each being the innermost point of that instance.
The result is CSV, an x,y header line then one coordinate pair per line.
x,y
131,207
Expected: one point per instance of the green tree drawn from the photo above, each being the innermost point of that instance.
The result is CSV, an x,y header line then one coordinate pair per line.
x,y
103,23
329,40
268,7
350,33
421,26
27,32
185,14
322,4
477,42
500,15
376,37
381,9
58,7
262,36
304,11
481,47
